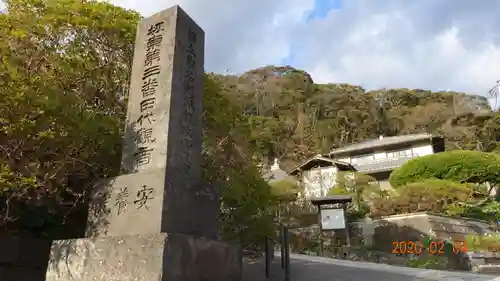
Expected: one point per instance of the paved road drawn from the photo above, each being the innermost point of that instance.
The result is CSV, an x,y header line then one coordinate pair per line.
x,y
308,268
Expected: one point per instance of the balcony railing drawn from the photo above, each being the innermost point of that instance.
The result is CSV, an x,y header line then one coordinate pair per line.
x,y
385,164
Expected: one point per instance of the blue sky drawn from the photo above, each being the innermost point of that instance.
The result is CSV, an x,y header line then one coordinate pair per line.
x,y
425,44
322,8
320,11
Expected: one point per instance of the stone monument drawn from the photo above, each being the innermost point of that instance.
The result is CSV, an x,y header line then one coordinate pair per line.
x,y
156,221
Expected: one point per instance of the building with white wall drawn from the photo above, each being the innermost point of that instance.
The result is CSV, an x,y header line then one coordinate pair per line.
x,y
377,158
274,173
318,174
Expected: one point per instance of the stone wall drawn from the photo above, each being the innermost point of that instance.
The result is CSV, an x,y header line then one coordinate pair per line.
x,y
23,259
373,240
381,233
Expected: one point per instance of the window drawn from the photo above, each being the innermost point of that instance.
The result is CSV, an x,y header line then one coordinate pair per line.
x,y
399,153
362,158
380,155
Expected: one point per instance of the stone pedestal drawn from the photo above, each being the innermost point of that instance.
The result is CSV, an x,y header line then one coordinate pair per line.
x,y
157,257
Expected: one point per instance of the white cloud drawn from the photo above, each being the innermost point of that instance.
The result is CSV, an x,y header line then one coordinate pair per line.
x,y
438,45
240,35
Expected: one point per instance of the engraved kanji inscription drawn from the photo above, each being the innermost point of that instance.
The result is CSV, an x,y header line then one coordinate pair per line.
x,y
143,196
152,56
142,156
153,42
148,103
191,50
121,200
149,87
146,116
156,28
191,36
187,120
144,136
151,71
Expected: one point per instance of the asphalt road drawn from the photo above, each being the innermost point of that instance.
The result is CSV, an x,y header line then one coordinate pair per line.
x,y
308,268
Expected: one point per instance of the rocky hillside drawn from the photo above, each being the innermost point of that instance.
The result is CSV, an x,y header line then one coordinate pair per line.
x,y
293,118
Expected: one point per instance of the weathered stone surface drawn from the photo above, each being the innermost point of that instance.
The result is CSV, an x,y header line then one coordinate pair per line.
x,y
127,205
171,257
165,104
160,189
162,152
137,203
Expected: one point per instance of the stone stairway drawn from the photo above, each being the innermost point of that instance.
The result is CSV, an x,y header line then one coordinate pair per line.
x,y
485,262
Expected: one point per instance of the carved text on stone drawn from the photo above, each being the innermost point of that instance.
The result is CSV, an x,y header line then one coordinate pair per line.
x,y
142,126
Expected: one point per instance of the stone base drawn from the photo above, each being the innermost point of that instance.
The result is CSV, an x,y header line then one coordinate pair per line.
x,y
158,257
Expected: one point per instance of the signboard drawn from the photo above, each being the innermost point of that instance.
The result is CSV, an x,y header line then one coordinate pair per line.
x,y
332,219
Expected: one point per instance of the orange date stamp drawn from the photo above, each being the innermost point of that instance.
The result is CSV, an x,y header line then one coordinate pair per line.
x,y
434,248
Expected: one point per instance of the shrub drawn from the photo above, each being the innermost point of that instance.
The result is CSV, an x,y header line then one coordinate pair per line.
x,y
483,242
458,166
426,196
285,190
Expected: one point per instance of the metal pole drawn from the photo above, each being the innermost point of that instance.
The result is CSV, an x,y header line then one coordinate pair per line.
x,y
282,245
268,256
287,253
321,244
347,235
320,235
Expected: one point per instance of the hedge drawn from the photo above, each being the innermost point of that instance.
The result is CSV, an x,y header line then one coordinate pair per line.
x,y
458,166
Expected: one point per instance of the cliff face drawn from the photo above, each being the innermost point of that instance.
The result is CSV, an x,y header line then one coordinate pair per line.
x,y
293,118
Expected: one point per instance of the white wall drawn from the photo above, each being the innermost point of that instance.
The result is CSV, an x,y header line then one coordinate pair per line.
x,y
385,185
411,151
318,181
422,150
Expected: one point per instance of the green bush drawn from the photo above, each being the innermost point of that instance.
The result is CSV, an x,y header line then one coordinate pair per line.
x,y
483,242
427,262
486,210
285,190
458,166
426,196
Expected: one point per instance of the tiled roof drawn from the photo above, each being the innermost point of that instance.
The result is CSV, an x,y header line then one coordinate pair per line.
x,y
380,143
318,159
332,199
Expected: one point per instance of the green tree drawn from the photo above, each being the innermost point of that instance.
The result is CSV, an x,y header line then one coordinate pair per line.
x,y
360,185
459,166
285,190
247,202
63,65
64,68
